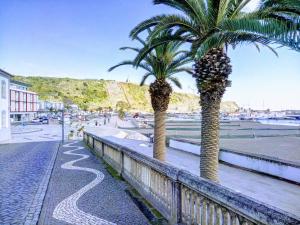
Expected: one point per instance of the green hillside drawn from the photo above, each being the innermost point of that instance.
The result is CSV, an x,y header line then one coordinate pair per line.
x,y
92,94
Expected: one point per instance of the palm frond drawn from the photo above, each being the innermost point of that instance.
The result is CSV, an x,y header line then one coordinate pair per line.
x,y
145,77
195,9
145,25
175,81
169,22
130,48
220,23
127,62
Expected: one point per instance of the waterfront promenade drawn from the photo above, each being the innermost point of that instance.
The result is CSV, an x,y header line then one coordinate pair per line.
x,y
80,188
277,193
43,182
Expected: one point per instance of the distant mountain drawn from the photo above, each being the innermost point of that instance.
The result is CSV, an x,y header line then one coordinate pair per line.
x,y
93,94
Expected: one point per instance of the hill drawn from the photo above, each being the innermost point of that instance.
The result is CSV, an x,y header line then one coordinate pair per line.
x,y
91,94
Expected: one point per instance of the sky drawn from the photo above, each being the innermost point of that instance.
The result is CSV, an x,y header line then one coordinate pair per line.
x,y
81,39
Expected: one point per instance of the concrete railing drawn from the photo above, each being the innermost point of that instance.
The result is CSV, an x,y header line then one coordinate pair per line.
x,y
181,197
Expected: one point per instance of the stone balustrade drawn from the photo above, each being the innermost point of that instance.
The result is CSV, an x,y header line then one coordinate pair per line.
x,y
183,198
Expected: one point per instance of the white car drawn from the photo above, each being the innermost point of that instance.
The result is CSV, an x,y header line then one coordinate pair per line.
x,y
36,120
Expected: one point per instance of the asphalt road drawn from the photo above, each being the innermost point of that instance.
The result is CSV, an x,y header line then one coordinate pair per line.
x,y
25,170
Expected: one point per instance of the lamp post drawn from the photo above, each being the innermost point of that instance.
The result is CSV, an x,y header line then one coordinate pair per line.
x,y
62,125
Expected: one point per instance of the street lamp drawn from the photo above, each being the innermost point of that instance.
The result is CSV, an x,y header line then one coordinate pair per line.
x,y
62,124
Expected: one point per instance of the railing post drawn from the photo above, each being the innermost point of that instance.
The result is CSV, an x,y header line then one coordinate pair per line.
x,y
102,149
93,143
176,203
122,163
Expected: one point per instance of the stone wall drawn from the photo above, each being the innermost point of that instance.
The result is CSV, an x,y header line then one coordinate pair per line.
x,y
182,197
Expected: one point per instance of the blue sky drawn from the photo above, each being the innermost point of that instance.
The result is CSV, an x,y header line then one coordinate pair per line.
x,y
80,39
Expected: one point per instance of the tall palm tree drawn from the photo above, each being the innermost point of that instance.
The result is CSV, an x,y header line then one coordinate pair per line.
x,y
162,62
211,26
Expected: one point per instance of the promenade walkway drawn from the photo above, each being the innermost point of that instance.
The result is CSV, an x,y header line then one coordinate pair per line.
x,y
81,191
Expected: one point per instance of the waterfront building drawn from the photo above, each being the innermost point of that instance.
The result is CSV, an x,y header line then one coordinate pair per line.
x,y
74,107
4,106
49,106
23,103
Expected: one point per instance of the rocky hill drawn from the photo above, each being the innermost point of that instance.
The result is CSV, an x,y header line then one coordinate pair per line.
x,y
93,94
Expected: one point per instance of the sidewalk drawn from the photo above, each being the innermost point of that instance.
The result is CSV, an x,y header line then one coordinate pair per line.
x,y
25,171
81,191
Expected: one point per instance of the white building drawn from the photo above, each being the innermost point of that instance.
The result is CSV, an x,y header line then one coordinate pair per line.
x,y
4,106
49,105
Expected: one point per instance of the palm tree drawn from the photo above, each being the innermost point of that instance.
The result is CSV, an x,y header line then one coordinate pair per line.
x,y
210,27
163,62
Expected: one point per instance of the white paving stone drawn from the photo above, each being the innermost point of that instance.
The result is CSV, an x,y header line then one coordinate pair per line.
x,y
67,209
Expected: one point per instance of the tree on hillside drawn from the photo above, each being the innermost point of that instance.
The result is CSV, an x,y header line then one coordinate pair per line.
x,y
162,63
100,109
210,27
122,107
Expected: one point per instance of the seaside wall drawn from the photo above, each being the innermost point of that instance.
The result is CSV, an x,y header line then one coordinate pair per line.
x,y
257,163
181,197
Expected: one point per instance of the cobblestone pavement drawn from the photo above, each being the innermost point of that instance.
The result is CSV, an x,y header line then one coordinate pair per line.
x,y
82,192
37,133
25,171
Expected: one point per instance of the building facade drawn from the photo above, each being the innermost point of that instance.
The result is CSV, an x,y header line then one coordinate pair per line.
x,y
5,131
23,103
46,106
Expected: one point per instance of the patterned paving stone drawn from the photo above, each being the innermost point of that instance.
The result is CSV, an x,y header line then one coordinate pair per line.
x,y
82,192
25,171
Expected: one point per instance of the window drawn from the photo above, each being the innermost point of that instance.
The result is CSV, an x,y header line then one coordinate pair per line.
x,y
12,106
13,95
21,106
3,119
3,89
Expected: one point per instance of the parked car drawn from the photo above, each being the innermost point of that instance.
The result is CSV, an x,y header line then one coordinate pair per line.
x,y
44,120
36,120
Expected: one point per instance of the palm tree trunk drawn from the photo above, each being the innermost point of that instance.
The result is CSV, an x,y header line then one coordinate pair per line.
x,y
209,156
159,135
160,92
211,73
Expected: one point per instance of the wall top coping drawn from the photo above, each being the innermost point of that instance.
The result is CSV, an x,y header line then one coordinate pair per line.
x,y
248,154
251,208
165,168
